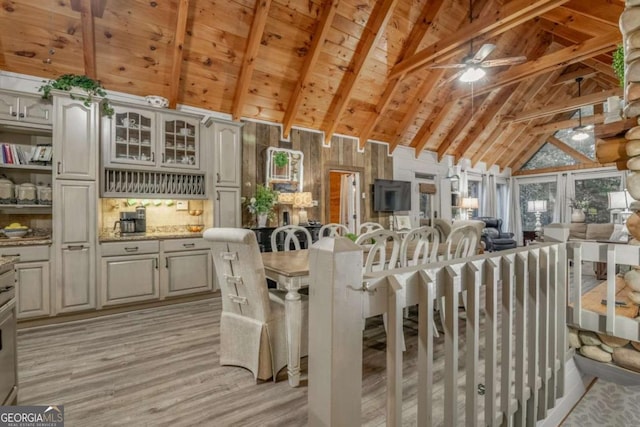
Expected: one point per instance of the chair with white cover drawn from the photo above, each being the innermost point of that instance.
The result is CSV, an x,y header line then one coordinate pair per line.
x,y
367,227
252,323
379,258
291,237
419,246
333,230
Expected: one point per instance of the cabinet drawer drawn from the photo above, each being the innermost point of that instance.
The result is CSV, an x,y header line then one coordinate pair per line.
x,y
27,253
185,244
133,247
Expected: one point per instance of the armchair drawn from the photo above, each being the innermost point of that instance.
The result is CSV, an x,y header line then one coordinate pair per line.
x,y
493,237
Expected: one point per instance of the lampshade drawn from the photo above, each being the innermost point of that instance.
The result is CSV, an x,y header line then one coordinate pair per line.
x,y
537,206
285,198
469,203
302,200
473,74
619,199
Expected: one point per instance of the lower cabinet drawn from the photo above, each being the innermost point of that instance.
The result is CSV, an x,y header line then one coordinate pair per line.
x,y
32,280
130,278
76,278
187,272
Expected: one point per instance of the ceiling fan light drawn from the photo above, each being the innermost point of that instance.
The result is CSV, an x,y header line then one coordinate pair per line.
x,y
473,74
579,134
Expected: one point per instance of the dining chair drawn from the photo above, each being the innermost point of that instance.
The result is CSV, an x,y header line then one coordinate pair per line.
x,y
419,246
252,323
333,230
367,227
291,237
382,248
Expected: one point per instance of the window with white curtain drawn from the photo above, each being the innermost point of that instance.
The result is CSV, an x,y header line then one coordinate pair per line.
x,y
536,189
474,190
502,201
592,190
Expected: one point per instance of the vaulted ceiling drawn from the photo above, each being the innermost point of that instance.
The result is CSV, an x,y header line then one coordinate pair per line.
x,y
353,67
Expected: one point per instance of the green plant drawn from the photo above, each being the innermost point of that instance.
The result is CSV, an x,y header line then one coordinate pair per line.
x,y
578,204
618,64
69,81
351,236
263,201
280,158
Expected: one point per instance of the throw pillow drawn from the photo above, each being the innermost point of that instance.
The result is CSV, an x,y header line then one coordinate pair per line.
x,y
620,233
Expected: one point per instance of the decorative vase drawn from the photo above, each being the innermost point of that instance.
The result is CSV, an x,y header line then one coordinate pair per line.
x,y
577,215
262,220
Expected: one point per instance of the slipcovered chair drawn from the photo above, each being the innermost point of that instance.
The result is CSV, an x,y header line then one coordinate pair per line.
x,y
367,227
252,323
291,237
493,237
419,246
333,230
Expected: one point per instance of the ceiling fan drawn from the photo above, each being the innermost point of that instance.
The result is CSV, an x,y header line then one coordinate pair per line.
x,y
472,66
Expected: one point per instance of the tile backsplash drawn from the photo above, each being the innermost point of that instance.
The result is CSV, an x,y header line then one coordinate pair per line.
x,y
160,213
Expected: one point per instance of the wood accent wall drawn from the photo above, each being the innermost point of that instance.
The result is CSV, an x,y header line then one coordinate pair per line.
x,y
318,160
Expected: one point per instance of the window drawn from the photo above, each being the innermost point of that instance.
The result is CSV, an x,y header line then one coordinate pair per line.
x,y
537,191
594,192
473,191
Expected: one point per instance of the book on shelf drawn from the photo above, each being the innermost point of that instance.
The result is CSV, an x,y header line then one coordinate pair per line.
x,y
15,154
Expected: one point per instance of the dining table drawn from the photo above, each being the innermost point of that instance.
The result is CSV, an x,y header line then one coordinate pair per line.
x,y
291,271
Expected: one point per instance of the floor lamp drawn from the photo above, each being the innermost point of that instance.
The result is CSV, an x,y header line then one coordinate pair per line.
x,y
537,207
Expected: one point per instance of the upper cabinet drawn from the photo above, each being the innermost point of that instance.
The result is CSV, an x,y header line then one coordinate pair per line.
x,y
75,138
137,137
26,108
227,154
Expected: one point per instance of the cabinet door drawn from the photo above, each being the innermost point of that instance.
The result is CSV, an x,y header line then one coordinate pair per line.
x,y
187,272
129,278
228,155
74,213
75,139
179,142
34,109
8,106
227,207
75,274
132,137
32,289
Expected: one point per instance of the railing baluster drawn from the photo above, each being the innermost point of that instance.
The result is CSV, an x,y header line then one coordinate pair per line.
x,y
532,317
544,332
611,289
520,415
394,352
576,297
425,348
506,377
561,317
552,301
451,338
491,340
473,279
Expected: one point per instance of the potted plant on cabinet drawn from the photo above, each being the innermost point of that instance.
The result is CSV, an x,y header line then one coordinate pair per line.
x,y
80,87
262,204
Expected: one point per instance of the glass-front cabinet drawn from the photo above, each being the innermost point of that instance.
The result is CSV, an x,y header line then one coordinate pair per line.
x,y
138,137
179,138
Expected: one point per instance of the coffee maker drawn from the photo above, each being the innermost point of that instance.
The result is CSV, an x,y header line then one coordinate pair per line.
x,y
132,223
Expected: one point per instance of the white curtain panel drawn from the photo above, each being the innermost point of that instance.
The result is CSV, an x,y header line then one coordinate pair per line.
x,y
515,217
491,198
569,193
484,197
560,207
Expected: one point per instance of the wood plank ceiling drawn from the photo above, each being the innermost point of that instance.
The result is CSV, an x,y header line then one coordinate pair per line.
x,y
353,67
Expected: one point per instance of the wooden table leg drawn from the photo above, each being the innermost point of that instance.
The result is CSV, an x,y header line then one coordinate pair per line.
x,y
293,320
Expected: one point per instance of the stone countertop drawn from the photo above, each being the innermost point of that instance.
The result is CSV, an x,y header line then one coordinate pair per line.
x,y
7,262
161,235
27,241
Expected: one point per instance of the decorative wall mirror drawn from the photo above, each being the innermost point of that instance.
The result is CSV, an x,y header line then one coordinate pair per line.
x,y
284,169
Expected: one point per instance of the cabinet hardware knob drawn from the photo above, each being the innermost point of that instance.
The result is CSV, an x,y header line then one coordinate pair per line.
x,y
166,263
189,245
131,249
21,115
58,168
217,195
13,113
75,247
218,177
155,263
18,255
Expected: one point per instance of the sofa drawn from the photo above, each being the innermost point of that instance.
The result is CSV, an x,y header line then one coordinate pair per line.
x,y
580,231
493,237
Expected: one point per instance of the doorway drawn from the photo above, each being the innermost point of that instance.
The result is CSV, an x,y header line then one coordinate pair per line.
x,y
343,198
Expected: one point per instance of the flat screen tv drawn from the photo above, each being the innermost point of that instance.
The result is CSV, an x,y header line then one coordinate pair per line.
x,y
391,196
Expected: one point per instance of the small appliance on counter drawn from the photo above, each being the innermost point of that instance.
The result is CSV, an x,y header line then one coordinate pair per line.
x,y
132,223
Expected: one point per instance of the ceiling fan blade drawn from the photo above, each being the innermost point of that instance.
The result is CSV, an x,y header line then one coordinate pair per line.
x,y
484,51
448,66
504,61
451,78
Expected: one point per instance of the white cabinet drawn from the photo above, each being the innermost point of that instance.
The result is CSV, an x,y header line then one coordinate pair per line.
x,y
17,106
188,267
74,218
227,207
227,154
129,278
75,138
33,278
137,137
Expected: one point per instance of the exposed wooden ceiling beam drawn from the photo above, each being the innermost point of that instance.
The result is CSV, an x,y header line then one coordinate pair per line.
x,y
497,155
250,55
86,9
429,12
569,150
607,12
547,63
176,59
429,126
329,10
566,124
578,22
508,16
557,169
570,78
447,140
568,105
97,7
372,33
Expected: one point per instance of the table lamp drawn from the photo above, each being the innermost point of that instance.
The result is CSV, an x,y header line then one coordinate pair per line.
x,y
619,201
537,207
469,203
301,201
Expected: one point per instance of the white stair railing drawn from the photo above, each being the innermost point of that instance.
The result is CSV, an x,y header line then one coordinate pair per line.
x,y
524,305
